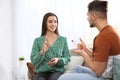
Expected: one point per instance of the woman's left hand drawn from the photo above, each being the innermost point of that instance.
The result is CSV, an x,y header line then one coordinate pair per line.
x,y
53,61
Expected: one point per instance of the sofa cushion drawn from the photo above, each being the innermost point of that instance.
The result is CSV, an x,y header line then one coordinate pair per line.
x,y
75,61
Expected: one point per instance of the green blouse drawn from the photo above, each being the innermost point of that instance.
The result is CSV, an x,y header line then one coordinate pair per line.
x,y
59,50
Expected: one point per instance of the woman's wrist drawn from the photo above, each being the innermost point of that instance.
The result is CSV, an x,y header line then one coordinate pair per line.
x,y
41,52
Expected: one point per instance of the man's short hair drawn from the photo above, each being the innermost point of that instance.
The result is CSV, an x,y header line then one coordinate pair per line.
x,y
99,6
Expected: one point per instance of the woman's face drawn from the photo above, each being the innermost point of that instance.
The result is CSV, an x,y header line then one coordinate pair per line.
x,y
52,23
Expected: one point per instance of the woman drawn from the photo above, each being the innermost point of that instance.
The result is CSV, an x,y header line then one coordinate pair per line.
x,y
50,51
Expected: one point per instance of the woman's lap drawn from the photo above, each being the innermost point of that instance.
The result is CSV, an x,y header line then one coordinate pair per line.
x,y
47,76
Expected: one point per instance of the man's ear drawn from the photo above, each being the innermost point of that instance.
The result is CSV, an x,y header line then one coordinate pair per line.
x,y
94,16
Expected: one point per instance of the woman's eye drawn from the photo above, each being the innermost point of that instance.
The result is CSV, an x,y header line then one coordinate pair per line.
x,y
50,21
55,21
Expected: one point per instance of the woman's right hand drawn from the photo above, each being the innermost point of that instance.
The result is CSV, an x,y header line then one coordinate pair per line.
x,y
45,47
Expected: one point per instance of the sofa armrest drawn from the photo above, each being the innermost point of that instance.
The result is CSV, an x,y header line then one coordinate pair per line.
x,y
31,73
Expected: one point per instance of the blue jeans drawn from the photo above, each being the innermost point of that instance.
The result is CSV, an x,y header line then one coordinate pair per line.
x,y
80,73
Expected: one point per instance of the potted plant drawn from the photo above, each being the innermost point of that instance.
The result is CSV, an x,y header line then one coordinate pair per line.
x,y
21,58
21,68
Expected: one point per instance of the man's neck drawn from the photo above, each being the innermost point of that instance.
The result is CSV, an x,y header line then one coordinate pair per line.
x,y
101,24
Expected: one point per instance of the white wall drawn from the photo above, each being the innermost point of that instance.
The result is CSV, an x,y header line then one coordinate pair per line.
x,y
5,40
114,13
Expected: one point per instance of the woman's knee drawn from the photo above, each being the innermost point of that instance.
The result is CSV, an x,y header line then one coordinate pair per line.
x,y
38,77
64,77
55,76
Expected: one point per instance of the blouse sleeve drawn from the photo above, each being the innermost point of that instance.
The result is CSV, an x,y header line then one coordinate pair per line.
x,y
65,55
35,56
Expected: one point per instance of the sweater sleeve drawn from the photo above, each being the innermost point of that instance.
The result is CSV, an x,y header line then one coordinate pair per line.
x,y
65,55
35,56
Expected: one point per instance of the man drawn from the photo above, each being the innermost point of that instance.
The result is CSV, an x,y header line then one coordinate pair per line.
x,y
106,44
